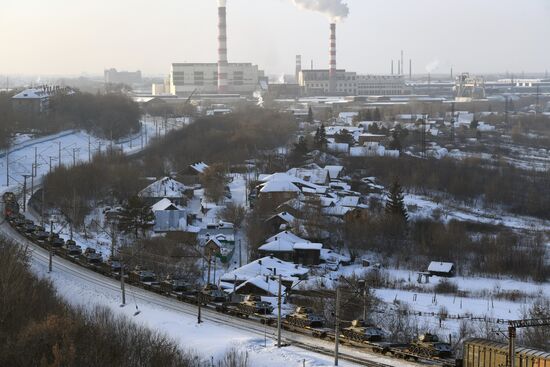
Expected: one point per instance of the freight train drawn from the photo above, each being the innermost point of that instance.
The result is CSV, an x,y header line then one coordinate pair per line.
x,y
358,334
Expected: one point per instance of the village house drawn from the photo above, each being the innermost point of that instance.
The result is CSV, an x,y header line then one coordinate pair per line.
x,y
165,188
441,269
169,217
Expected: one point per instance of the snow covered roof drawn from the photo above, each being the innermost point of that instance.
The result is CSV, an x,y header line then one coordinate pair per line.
x,y
296,181
268,285
333,257
308,246
440,267
279,245
265,266
200,167
32,93
286,216
318,176
336,210
165,204
349,201
334,171
166,187
279,186
287,236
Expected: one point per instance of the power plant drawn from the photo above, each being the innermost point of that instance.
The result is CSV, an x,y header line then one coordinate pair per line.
x,y
225,78
216,78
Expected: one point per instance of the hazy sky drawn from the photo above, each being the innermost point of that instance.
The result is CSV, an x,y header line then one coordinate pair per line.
x,y
75,36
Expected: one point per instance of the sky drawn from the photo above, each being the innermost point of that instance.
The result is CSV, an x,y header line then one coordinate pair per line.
x,y
74,37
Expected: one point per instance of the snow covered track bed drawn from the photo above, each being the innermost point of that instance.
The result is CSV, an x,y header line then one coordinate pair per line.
x,y
81,286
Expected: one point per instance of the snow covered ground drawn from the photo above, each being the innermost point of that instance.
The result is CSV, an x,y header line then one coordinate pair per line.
x,y
210,339
422,206
68,147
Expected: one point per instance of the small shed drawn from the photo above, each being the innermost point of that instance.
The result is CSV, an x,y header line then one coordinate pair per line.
x,y
307,253
442,269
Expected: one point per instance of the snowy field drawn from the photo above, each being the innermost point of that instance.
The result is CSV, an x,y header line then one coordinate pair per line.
x,y
68,148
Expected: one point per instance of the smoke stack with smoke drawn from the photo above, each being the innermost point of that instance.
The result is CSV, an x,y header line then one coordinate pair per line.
x,y
336,10
332,66
222,47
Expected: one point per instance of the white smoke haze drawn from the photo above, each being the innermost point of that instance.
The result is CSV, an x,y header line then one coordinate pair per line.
x,y
432,66
336,10
221,3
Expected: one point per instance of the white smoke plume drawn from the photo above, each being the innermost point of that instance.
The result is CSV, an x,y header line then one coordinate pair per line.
x,y
336,10
432,66
221,3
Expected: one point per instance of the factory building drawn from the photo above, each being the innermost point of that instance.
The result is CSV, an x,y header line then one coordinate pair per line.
x,y
125,77
241,78
317,82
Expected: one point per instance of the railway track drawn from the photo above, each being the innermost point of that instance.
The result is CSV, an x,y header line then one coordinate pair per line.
x,y
85,275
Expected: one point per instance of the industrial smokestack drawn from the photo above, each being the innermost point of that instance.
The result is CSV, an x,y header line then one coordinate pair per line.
x,y
410,69
332,66
392,67
298,68
402,65
222,47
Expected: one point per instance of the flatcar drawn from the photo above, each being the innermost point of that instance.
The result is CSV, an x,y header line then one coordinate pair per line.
x,y
487,353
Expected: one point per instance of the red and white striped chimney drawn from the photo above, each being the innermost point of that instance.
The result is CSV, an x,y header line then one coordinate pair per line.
x,y
222,47
332,66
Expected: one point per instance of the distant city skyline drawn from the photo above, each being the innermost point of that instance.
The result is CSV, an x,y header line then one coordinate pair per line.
x,y
65,37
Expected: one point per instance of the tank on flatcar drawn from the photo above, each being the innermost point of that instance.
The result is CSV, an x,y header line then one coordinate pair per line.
x,y
304,317
361,331
253,304
428,345
211,293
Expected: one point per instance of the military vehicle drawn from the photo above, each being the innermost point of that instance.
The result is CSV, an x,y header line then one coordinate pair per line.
x,y
254,305
362,331
429,345
305,317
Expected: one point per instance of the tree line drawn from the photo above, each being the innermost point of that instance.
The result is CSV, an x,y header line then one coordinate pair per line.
x,y
470,180
111,116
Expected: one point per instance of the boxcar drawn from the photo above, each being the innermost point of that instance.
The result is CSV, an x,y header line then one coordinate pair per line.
x,y
486,353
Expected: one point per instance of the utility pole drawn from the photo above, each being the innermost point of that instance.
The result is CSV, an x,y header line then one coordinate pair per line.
x,y
74,156
33,170
279,312
240,255
209,266
337,327
512,346
35,161
59,155
506,110
8,166
50,263
42,209
89,148
25,192
199,303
